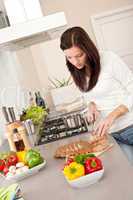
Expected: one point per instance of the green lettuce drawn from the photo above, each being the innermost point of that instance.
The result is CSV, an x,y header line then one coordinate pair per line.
x,y
35,113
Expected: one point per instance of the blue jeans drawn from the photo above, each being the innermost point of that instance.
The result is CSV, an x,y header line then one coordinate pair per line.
x,y
124,136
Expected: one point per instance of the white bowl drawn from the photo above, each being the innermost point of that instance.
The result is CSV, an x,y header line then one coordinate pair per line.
x,y
86,180
29,172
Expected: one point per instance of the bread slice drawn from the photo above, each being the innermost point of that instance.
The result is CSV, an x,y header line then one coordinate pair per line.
x,y
98,144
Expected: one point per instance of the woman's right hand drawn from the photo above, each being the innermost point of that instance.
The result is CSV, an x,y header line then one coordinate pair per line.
x,y
92,113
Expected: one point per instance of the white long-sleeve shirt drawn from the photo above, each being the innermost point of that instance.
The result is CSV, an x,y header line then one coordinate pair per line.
x,y
114,88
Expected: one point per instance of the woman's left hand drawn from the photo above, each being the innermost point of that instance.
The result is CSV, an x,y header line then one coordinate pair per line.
x,y
104,126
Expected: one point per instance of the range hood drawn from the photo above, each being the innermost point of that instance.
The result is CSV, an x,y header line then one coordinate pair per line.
x,y
32,31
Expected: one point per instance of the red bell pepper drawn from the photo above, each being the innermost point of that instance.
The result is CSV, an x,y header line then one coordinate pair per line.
x,y
2,165
92,164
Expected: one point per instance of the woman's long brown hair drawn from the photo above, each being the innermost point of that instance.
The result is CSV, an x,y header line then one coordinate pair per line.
x,y
76,36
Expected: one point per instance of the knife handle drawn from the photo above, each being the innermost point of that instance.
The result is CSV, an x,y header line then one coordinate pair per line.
x,y
10,114
13,113
5,113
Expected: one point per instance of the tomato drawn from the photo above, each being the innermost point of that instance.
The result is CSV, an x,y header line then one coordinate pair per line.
x,y
2,165
5,170
12,160
68,162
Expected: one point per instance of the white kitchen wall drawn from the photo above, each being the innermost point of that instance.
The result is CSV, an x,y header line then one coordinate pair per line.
x,y
46,54
27,72
57,67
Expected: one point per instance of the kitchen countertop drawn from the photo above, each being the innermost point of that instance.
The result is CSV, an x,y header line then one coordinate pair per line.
x,y
50,183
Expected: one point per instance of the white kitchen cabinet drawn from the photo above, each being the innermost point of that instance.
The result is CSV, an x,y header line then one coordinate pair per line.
x,y
114,31
19,11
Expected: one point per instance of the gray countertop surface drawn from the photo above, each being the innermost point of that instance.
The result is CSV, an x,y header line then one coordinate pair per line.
x,y
50,184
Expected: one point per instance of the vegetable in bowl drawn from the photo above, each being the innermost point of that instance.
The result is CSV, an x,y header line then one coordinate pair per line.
x,y
83,170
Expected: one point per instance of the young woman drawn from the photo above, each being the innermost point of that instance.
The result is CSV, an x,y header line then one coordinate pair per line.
x,y
106,82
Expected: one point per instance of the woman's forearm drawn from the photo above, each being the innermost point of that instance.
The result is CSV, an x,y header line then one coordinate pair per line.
x,y
105,124
119,111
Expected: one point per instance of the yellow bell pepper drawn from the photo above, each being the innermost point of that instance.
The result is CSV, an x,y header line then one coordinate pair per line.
x,y
74,170
21,156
